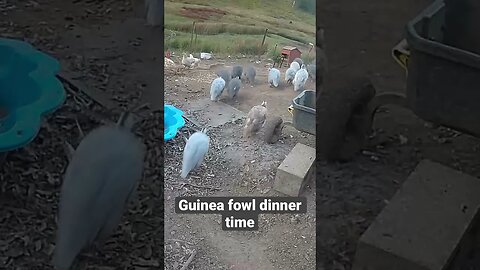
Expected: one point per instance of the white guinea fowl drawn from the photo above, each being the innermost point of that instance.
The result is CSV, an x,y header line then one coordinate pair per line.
x,y
300,79
290,74
196,61
295,65
99,181
255,119
273,77
216,89
188,62
194,152
168,62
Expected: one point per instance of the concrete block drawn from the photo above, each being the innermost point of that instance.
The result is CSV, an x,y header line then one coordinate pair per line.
x,y
295,170
424,224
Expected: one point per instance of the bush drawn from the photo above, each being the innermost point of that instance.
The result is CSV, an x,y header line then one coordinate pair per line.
x,y
275,55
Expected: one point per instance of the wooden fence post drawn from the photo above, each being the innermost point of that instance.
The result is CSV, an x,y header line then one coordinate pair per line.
x,y
193,31
264,36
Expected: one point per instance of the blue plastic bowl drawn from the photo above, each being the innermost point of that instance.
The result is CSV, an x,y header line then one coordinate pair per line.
x,y
29,89
172,121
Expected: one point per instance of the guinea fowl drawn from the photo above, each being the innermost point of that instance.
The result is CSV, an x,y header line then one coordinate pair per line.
x,y
255,119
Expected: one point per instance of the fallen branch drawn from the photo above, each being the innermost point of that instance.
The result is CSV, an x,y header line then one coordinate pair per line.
x,y
99,97
195,123
73,90
197,186
178,240
190,259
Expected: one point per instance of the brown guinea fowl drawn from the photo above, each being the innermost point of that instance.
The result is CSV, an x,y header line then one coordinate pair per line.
x,y
273,129
255,119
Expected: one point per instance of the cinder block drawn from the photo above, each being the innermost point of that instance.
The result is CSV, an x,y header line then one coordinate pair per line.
x,y
424,224
295,170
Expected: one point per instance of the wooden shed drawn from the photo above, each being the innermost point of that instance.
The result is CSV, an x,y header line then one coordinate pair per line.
x,y
290,53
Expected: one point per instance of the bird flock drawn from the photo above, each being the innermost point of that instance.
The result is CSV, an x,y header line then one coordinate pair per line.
x,y
231,80
297,75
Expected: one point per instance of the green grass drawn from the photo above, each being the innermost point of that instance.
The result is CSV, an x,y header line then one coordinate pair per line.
x,y
241,29
224,44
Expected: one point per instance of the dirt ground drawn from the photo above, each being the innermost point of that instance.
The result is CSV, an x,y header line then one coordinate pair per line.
x,y
235,167
105,45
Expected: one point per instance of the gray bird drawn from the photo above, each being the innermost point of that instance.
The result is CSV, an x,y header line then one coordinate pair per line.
x,y
250,74
300,79
273,77
216,89
225,74
255,119
290,75
233,87
99,182
299,61
194,152
311,69
237,72
295,65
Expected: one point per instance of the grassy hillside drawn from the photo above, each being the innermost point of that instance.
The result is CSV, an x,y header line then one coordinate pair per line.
x,y
237,26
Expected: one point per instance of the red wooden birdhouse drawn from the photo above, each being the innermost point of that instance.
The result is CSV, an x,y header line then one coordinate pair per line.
x,y
290,53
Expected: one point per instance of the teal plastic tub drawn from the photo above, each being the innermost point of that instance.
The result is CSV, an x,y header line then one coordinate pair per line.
x,y
29,89
172,121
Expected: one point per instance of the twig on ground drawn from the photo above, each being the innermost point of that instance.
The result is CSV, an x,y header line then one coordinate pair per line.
x,y
138,108
74,91
197,186
80,130
190,259
193,122
178,240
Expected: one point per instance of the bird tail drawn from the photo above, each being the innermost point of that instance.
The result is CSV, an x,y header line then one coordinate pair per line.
x,y
184,174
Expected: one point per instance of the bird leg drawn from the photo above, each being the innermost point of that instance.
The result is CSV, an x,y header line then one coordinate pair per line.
x,y
80,131
184,138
